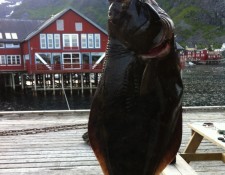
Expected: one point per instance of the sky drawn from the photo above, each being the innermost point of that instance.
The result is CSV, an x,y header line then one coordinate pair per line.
x,y
3,1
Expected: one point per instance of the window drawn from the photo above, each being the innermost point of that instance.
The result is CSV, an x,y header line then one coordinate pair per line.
x,y
60,25
12,45
74,40
70,40
2,59
90,41
14,36
57,41
45,57
97,41
13,59
71,60
43,41
50,41
95,57
2,45
56,58
18,60
83,41
1,36
26,57
66,40
8,36
78,26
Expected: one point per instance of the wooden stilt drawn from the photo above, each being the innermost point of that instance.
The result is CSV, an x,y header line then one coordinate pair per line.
x,y
22,81
35,84
71,84
90,82
82,83
44,83
53,83
62,82
13,82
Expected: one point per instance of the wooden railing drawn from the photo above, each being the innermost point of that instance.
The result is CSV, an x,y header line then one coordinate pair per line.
x,y
61,68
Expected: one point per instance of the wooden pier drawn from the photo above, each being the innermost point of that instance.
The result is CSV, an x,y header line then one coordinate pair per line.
x,y
51,82
64,152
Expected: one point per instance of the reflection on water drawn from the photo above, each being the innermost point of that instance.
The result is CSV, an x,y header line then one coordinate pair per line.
x,y
27,101
204,86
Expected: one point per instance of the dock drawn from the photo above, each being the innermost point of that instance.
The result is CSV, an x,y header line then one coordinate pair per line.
x,y
65,152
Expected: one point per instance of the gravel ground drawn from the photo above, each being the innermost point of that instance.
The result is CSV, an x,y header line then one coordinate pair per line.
x,y
204,85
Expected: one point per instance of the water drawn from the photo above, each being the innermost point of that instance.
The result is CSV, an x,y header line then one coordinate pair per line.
x,y
11,101
204,86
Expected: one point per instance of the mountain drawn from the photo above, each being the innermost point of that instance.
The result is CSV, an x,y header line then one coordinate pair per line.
x,y
197,22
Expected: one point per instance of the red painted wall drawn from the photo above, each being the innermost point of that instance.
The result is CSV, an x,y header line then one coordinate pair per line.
x,y
70,18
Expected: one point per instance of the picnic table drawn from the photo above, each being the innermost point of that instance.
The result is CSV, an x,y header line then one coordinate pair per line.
x,y
208,131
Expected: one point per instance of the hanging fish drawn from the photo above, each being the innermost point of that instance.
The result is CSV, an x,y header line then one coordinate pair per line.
x,y
135,123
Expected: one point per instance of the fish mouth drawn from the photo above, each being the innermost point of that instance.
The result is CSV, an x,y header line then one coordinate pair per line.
x,y
159,51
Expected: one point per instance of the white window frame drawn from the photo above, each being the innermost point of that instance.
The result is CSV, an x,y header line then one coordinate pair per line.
x,y
60,25
78,26
50,41
90,41
84,41
71,60
70,40
8,36
13,59
2,45
97,41
57,43
43,41
12,45
14,35
2,60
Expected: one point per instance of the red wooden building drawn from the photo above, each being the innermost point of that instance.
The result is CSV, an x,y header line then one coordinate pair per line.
x,y
66,46
201,56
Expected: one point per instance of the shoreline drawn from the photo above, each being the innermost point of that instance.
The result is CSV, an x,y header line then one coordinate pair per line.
x,y
86,111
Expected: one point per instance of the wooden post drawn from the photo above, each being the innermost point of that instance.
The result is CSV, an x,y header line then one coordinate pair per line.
x,y
53,83
90,74
82,83
22,81
71,84
44,84
13,82
62,82
35,84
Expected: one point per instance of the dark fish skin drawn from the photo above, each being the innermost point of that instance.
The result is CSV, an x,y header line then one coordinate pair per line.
x,y
135,124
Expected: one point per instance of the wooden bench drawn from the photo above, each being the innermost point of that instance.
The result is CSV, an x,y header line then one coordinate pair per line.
x,y
181,167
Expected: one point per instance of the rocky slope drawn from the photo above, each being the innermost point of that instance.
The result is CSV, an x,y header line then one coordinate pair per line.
x,y
198,22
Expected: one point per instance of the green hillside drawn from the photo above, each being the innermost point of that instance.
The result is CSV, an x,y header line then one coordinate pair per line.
x,y
197,22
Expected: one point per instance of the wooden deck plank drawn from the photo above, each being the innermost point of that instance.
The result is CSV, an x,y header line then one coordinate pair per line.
x,y
65,152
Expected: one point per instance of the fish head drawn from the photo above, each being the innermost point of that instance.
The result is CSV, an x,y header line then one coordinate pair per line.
x,y
142,26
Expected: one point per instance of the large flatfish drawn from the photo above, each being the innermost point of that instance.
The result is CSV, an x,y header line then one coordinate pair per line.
x,y
135,123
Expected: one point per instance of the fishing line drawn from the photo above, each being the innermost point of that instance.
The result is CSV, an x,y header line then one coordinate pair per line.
x,y
66,98
65,93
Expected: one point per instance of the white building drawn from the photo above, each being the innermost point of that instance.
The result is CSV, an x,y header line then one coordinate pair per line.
x,y
223,47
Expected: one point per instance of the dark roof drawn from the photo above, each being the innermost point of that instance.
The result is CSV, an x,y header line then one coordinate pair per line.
x,y
26,29
57,16
22,28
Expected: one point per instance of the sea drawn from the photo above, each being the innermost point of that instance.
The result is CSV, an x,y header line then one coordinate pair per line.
x,y
204,85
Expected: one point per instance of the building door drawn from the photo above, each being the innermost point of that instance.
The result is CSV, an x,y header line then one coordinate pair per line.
x,y
86,60
71,60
